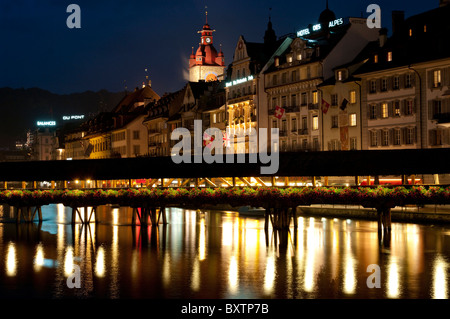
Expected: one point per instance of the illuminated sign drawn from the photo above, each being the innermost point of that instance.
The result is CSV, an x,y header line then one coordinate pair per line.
x,y
318,27
46,123
239,81
73,117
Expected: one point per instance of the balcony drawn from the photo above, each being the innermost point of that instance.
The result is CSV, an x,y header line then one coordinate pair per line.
x,y
442,117
312,107
283,133
292,109
303,131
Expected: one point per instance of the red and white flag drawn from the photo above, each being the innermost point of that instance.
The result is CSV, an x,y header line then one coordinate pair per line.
x,y
226,140
208,140
325,106
279,112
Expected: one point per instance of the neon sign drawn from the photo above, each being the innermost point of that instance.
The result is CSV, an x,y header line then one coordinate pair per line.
x,y
73,117
46,123
239,81
318,27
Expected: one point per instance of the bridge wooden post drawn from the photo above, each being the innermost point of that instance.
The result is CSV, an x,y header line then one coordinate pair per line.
x,y
34,184
53,184
65,184
368,180
24,185
326,180
314,181
413,179
272,180
356,180
286,181
5,185
377,180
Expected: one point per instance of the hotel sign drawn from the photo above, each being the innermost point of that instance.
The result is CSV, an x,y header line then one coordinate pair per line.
x,y
239,81
318,27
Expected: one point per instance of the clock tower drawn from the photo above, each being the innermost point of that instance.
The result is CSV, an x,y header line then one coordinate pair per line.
x,y
206,64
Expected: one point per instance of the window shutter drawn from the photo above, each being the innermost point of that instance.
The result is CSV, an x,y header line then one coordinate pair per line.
x,y
403,135
391,109
432,137
415,135
430,110
430,79
446,134
378,108
401,82
379,137
414,104
391,136
378,85
413,79
445,76
402,107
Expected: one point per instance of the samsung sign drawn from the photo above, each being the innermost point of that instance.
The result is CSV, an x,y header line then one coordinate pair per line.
x,y
318,27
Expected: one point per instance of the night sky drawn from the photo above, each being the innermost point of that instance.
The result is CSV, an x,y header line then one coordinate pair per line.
x,y
119,39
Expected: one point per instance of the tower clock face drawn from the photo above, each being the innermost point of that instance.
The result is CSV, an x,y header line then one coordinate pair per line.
x,y
208,40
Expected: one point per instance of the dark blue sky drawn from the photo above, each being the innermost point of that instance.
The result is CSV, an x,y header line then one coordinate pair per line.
x,y
119,39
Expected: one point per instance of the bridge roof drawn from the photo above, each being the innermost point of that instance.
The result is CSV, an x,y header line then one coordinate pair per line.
x,y
339,163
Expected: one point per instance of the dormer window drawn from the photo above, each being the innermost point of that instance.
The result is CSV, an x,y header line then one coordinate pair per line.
x,y
340,75
277,61
289,58
410,32
299,56
375,58
389,56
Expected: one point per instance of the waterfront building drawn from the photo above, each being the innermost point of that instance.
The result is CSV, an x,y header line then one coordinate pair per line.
x,y
406,97
245,96
120,133
292,83
157,119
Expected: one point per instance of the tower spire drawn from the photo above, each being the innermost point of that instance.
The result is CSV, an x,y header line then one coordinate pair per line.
x,y
327,4
206,14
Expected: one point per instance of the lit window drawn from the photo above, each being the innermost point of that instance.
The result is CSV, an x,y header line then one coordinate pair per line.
x,y
315,97
289,59
437,78
299,56
389,56
315,122
352,119
375,58
339,75
352,97
384,110
425,28
397,108
277,62
410,32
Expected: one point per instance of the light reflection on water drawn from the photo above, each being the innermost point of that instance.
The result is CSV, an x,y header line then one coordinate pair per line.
x,y
214,254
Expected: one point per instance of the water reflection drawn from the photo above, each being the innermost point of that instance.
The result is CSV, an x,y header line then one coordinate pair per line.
x,y
212,254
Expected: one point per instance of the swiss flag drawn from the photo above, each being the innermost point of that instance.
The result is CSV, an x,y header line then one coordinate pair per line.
x,y
208,140
279,112
226,140
325,106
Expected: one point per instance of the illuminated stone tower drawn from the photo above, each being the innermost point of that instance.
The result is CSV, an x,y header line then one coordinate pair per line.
x,y
206,64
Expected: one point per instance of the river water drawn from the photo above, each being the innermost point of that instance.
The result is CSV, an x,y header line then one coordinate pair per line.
x,y
219,255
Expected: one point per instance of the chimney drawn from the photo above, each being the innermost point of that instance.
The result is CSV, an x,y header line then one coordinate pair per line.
x,y
382,37
398,18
